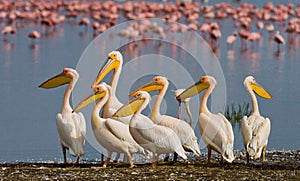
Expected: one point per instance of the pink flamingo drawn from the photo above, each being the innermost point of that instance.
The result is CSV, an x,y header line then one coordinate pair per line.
x,y
279,40
8,30
231,39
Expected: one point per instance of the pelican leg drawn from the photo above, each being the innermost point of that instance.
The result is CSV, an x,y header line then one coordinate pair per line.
x,y
102,158
208,154
153,164
247,155
116,160
130,160
77,161
263,154
175,157
221,161
64,153
166,157
109,153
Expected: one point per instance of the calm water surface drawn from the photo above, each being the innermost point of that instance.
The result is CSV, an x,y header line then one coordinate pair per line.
x,y
28,131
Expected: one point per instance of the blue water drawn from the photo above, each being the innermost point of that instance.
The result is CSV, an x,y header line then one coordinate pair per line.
x,y
28,131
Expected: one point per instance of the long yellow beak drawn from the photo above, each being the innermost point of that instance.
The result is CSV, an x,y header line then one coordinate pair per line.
x,y
90,99
259,90
148,87
192,90
129,108
55,81
110,65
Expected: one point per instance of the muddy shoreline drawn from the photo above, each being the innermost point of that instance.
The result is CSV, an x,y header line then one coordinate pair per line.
x,y
280,165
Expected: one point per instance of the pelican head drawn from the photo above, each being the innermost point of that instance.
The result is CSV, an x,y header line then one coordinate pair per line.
x,y
157,83
65,77
99,92
113,62
204,83
141,98
250,83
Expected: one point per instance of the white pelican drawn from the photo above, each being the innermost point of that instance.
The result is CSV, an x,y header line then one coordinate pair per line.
x,y
158,139
111,134
215,129
71,126
255,128
187,110
183,130
114,62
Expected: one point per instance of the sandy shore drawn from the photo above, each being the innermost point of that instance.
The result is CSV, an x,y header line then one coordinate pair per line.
x,y
280,165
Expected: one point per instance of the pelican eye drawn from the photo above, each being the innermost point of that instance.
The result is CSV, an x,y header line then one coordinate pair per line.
x,y
65,71
138,94
98,88
202,79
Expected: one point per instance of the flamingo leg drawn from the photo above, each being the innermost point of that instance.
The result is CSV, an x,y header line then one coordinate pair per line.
x,y
179,110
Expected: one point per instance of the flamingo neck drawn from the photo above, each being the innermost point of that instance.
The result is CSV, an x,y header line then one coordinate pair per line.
x,y
155,114
66,107
203,104
255,109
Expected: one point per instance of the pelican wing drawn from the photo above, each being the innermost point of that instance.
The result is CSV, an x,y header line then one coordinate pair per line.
x,y
118,129
121,131
184,132
246,130
227,127
218,134
164,139
69,134
81,123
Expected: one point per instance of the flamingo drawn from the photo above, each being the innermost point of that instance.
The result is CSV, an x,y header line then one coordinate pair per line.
x,y
279,40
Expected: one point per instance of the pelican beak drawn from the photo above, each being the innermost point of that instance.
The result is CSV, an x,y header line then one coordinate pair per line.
x,y
148,87
193,90
129,108
90,99
55,81
259,90
111,64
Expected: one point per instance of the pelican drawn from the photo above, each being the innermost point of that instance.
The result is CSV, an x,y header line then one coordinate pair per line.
x,y
255,128
113,62
71,126
111,134
187,110
215,129
158,139
183,130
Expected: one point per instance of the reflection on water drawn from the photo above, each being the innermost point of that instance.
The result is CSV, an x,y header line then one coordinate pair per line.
x,y
28,130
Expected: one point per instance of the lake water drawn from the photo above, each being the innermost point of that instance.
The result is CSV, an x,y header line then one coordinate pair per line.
x,y
28,131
